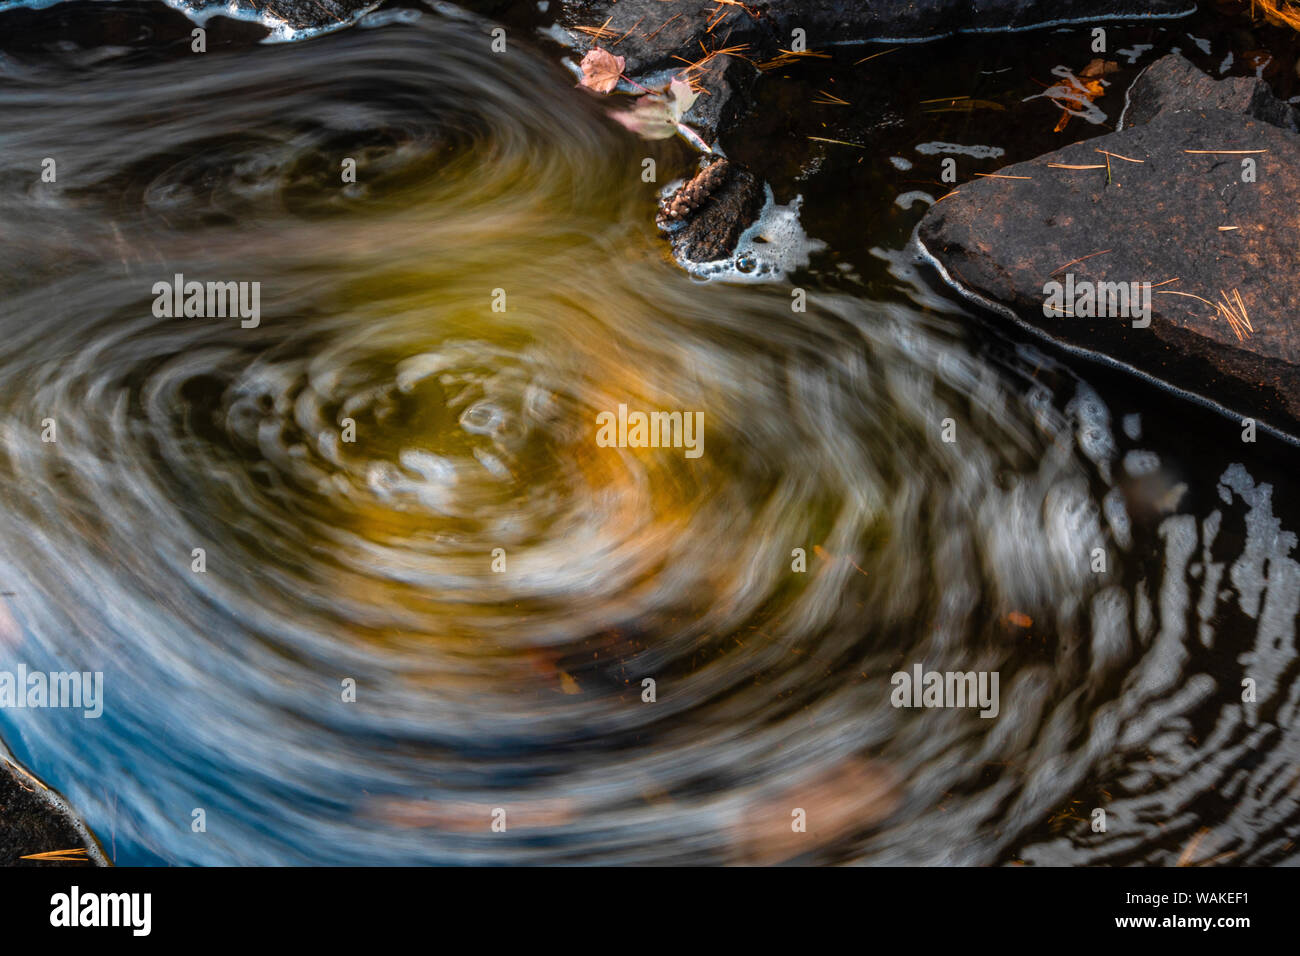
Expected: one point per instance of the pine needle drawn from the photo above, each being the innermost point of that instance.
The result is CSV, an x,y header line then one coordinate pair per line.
x,y
1080,259
830,100
1118,156
787,57
601,32
74,855
874,55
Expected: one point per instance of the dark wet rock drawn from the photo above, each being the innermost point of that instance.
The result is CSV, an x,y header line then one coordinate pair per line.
x,y
650,33
656,35
828,21
316,13
30,823
1157,220
707,214
298,14
1174,83
726,83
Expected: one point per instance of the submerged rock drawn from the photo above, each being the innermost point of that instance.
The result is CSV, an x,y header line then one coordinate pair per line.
x,y
707,215
1173,83
1197,203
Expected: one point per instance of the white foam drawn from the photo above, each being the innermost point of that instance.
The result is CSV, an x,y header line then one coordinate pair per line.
x,y
382,18
1135,52
1133,425
768,251
906,200
979,152
1073,90
1138,463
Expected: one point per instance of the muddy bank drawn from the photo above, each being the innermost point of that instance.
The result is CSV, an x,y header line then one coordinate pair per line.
x,y
1179,214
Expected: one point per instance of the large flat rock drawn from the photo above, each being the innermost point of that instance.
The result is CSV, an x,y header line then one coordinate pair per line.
x,y
1174,83
1176,213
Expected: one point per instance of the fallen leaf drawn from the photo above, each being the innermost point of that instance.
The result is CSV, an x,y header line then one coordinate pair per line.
x,y
648,117
1080,95
834,803
1098,68
656,115
568,684
601,70
465,816
10,633
683,97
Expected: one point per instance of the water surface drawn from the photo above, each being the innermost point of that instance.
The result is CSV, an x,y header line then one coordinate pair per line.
x,y
372,559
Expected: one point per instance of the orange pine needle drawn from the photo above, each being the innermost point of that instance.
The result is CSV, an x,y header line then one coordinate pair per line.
x,y
1080,259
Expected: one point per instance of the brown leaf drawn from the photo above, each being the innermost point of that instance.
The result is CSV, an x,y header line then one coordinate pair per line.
x,y
855,794
601,70
1098,68
1083,94
568,684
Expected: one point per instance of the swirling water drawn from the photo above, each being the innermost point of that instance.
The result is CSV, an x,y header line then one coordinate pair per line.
x,y
351,466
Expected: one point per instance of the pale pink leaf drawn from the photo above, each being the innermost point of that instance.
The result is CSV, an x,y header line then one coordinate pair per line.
x,y
601,70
